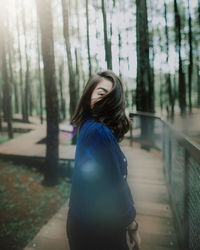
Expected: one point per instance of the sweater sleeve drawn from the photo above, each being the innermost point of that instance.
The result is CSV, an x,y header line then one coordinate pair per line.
x,y
109,194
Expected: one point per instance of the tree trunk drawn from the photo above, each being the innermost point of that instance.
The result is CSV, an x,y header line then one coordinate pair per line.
x,y
88,40
62,100
1,102
12,80
20,72
52,142
119,54
143,65
107,42
182,87
27,75
77,76
197,59
167,75
198,85
6,84
161,93
144,90
81,72
152,58
72,85
190,66
199,11
39,77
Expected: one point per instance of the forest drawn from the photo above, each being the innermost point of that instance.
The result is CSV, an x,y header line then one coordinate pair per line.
x,y
49,49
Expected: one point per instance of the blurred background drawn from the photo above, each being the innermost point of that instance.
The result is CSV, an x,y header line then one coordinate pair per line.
x,y
48,51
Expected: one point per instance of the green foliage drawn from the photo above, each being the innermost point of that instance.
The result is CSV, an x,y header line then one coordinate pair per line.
x,y
21,228
3,138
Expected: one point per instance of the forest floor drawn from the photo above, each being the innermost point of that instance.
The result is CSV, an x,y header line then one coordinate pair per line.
x,y
26,205
4,136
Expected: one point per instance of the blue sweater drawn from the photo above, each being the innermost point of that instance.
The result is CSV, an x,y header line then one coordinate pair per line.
x,y
100,194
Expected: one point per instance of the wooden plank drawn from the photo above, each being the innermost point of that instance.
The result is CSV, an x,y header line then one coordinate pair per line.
x,y
153,209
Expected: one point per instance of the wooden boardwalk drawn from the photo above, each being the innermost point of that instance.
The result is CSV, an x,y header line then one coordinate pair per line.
x,y
27,146
147,182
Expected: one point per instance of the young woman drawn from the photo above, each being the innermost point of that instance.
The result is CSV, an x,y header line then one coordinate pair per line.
x,y
101,207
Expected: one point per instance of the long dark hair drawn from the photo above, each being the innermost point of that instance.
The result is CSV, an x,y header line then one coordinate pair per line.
x,y
110,110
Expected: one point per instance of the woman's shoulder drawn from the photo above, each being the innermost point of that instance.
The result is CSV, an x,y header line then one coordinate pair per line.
x,y
97,129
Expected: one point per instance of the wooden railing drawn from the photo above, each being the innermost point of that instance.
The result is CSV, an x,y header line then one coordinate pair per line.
x,y
181,160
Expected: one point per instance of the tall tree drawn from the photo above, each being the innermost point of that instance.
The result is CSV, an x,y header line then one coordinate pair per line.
x,y
81,75
1,102
47,41
62,100
144,89
144,95
72,82
107,42
77,76
198,81
182,85
199,10
40,89
21,69
11,62
198,60
119,53
190,66
152,54
167,75
27,74
88,39
4,70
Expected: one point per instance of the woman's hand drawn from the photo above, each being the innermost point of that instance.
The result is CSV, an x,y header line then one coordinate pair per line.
x,y
134,236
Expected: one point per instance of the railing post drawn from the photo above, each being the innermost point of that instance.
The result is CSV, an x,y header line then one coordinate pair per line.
x,y
170,159
186,234
131,131
163,140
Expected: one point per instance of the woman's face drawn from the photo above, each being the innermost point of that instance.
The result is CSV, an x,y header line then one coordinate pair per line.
x,y
102,88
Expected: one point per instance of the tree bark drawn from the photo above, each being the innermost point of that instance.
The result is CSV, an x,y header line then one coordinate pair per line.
x,y
72,82
62,100
21,70
81,75
144,81
88,40
199,11
39,77
190,66
107,42
167,75
6,84
11,60
1,102
182,87
52,142
197,59
198,85
27,74
119,54
77,76
144,89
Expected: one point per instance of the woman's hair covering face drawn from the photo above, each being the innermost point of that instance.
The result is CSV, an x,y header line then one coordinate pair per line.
x,y
110,110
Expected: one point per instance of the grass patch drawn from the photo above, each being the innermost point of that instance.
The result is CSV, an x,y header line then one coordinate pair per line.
x,y
26,205
4,136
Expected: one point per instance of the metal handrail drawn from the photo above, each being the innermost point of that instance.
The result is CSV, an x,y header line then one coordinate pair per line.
x,y
187,142
187,195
